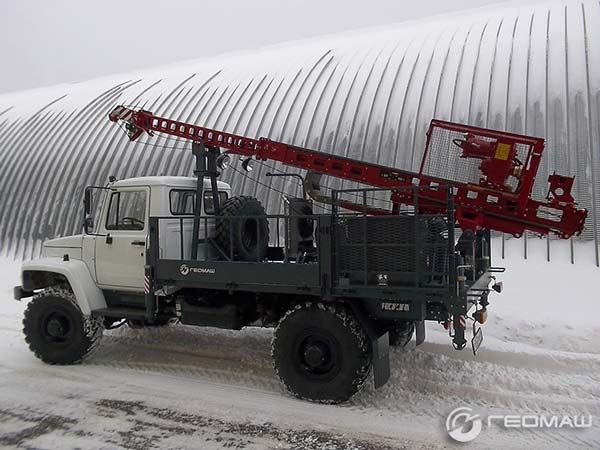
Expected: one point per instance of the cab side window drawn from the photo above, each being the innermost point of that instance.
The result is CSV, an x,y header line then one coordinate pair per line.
x,y
183,202
127,211
209,204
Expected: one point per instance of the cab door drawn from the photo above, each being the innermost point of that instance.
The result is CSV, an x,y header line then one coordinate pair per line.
x,y
120,255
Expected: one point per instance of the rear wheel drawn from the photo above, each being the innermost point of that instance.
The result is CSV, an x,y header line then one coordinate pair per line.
x,y
247,238
321,353
56,330
401,333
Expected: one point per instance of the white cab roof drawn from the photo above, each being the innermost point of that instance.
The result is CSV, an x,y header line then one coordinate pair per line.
x,y
183,182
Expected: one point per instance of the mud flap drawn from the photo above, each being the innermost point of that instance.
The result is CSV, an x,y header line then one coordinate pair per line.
x,y
420,331
381,359
380,345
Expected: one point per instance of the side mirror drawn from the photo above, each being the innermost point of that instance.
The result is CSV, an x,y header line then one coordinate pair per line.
x,y
88,224
87,202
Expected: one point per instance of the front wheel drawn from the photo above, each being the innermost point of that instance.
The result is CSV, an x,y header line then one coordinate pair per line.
x,y
56,330
321,353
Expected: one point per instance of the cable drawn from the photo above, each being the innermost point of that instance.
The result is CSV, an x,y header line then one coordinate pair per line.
x,y
256,181
273,168
327,188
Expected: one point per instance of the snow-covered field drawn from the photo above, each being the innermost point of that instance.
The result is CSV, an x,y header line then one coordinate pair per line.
x,y
184,387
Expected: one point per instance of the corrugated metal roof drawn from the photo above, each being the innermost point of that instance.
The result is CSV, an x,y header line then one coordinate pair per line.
x,y
531,68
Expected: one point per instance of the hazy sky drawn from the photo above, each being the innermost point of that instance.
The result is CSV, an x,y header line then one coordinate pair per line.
x,y
48,42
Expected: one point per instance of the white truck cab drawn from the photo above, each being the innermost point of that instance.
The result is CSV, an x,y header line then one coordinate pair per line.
x,y
112,248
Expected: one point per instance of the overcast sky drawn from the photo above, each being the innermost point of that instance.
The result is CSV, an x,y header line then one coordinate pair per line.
x,y
48,42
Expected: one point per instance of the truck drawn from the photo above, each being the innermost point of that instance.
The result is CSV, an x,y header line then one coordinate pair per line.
x,y
392,250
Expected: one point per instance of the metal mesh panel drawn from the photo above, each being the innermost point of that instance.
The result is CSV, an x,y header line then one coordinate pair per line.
x,y
409,249
443,159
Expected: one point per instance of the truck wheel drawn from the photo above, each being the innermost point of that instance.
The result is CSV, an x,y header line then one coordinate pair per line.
x,y
401,333
56,330
321,353
249,235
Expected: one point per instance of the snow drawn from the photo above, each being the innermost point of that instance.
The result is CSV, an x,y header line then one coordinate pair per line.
x,y
186,387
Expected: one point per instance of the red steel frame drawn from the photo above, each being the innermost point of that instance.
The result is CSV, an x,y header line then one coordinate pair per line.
x,y
478,206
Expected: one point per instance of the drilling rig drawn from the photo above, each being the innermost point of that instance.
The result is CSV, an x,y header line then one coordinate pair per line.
x,y
339,287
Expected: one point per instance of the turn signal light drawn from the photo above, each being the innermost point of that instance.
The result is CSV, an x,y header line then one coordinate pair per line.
x,y
480,316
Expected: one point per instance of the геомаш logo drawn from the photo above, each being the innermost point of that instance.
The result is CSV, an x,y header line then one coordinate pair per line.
x,y
184,269
463,425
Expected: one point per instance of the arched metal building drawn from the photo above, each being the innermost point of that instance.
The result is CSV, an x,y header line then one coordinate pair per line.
x,y
529,68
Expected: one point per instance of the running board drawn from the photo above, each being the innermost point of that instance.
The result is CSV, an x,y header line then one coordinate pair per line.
x,y
121,313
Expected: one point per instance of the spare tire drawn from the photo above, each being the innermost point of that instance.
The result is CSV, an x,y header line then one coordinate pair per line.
x,y
243,229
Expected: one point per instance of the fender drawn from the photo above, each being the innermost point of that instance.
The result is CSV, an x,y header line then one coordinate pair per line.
x,y
89,297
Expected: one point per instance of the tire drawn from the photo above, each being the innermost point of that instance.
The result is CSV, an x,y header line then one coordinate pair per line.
x,y
321,353
56,330
401,333
244,232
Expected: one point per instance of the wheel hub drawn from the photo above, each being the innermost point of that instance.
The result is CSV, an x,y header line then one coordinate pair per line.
x,y
314,355
57,328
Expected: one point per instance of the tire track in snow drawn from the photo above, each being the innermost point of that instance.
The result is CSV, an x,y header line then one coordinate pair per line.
x,y
418,377
426,383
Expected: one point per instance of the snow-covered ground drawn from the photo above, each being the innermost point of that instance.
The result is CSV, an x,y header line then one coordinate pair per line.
x,y
185,387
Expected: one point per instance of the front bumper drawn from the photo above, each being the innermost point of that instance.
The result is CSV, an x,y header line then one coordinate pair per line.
x,y
19,293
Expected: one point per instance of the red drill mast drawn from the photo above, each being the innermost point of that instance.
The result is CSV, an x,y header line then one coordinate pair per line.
x,y
494,194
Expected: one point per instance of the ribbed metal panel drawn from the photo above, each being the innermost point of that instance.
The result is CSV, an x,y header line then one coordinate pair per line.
x,y
530,69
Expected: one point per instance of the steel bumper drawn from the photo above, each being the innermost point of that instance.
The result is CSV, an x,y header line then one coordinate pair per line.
x,y
19,293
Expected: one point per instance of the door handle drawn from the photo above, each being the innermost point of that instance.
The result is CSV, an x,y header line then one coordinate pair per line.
x,y
138,242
